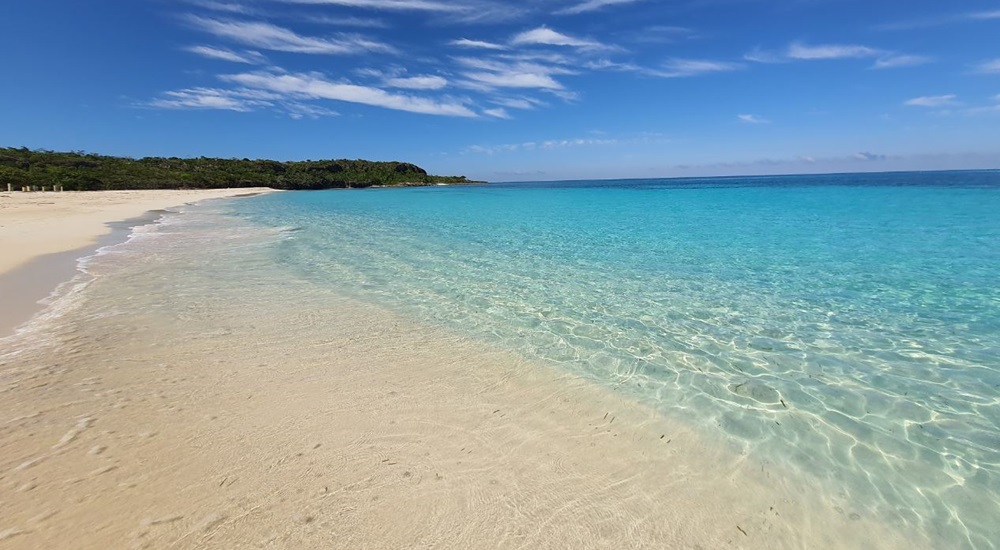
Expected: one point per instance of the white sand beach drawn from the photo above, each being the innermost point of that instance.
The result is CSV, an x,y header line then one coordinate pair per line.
x,y
35,224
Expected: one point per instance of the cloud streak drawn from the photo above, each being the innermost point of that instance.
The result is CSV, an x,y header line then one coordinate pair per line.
x,y
477,44
897,61
250,57
315,86
988,67
680,68
753,119
797,50
390,5
548,37
592,5
272,37
931,101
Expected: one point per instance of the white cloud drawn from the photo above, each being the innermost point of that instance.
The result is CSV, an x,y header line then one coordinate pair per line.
x,y
984,15
498,113
213,98
390,5
758,55
489,74
548,37
931,101
939,20
989,67
513,79
896,61
314,86
753,119
340,21
303,110
228,7
592,5
271,37
679,68
427,82
660,34
466,43
866,156
251,58
524,103
798,50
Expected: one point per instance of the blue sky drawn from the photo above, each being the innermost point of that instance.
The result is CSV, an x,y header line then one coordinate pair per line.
x,y
544,89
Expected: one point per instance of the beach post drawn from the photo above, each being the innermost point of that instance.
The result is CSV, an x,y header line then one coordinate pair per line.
x,y
10,187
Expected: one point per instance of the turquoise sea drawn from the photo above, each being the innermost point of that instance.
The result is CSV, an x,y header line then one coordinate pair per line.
x,y
845,327
842,329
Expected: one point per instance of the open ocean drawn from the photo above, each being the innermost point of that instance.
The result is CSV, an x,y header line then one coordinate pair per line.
x,y
843,328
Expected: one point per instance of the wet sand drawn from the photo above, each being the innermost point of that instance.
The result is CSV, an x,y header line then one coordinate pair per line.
x,y
43,233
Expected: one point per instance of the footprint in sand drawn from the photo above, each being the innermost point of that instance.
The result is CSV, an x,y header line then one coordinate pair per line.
x,y
161,521
71,435
10,533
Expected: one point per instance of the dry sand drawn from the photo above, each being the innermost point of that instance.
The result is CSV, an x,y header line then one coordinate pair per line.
x,y
200,425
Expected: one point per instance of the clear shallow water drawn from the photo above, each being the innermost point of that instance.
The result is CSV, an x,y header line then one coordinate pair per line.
x,y
844,328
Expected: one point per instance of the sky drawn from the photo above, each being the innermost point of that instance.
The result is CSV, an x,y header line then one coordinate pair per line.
x,y
515,90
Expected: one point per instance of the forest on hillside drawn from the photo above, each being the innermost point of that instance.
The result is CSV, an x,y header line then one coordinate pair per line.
x,y
79,171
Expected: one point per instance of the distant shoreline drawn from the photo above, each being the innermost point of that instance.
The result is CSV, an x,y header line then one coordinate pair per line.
x,y
79,171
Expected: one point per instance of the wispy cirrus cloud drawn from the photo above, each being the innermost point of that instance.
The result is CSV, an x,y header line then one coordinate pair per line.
x,y
941,20
343,21
680,68
267,36
758,55
985,110
248,57
988,67
305,86
548,37
523,103
498,112
423,82
932,101
753,119
226,7
591,5
897,61
390,5
869,157
241,100
477,44
798,50
514,79
507,73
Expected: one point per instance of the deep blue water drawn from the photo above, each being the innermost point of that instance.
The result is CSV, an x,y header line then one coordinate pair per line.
x,y
846,327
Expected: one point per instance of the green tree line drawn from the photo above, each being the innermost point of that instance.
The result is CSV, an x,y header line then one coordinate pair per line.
x,y
79,171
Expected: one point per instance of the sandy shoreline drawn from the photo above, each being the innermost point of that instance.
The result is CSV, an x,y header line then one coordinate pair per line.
x,y
35,224
264,412
42,234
